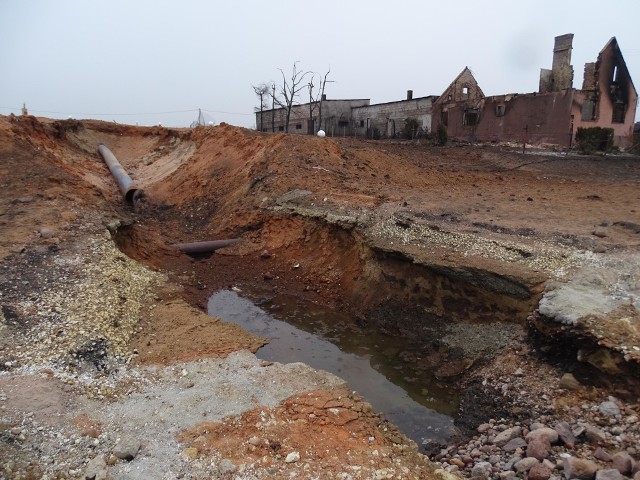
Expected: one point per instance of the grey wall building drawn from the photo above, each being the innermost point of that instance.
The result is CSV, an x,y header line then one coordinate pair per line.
x,y
388,119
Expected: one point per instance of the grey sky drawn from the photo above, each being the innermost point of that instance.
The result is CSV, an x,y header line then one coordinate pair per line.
x,y
85,58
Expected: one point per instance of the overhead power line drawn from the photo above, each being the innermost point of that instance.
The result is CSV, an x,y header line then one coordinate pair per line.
x,y
124,114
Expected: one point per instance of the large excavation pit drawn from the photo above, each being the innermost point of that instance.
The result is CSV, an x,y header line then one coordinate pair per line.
x,y
465,290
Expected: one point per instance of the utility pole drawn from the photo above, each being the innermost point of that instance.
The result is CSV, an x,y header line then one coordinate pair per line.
x,y
273,108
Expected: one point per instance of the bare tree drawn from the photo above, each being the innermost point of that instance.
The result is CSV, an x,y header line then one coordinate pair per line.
x,y
273,108
313,104
262,91
320,98
289,90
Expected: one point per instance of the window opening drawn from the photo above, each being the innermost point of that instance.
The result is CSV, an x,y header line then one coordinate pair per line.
x,y
470,117
618,113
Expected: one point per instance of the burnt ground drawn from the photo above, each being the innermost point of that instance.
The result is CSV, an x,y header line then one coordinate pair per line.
x,y
95,299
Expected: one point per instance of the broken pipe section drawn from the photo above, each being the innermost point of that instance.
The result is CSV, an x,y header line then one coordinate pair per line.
x,y
132,194
199,248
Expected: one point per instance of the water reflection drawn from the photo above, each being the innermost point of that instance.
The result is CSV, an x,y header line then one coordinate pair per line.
x,y
367,360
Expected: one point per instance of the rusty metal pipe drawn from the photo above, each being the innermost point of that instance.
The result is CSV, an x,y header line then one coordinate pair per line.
x,y
198,248
132,194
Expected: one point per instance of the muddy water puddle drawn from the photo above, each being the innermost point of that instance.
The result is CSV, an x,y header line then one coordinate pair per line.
x,y
385,370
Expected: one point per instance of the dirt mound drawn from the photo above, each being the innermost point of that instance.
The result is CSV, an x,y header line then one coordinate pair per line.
x,y
328,432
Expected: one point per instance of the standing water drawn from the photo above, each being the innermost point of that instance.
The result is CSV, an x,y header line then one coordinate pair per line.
x,y
371,363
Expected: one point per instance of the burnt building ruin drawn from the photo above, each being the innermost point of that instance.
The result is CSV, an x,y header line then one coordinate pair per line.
x,y
551,115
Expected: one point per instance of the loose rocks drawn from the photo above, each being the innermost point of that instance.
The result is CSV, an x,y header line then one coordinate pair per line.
x,y
96,469
127,449
539,472
579,468
513,450
611,474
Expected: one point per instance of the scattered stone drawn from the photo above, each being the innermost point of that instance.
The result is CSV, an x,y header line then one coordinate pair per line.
x,y
579,468
569,382
254,440
381,475
442,473
610,474
525,464
601,455
549,433
507,474
226,467
512,461
191,453
268,276
292,457
112,460
579,430
623,462
514,443
482,470
457,461
265,254
127,449
510,433
45,232
483,428
609,408
539,447
96,469
565,434
539,472
594,434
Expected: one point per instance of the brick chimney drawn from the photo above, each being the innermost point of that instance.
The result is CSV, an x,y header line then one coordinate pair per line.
x,y
409,94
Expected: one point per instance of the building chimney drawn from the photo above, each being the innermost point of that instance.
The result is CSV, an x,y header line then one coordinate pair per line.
x,y
324,97
409,94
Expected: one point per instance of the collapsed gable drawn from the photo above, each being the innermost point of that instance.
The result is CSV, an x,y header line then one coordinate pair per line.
x,y
463,88
608,97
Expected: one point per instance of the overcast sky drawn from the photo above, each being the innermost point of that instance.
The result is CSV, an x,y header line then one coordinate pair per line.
x,y
150,61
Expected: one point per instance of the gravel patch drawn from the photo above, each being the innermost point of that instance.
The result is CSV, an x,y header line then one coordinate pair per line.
x,y
538,255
